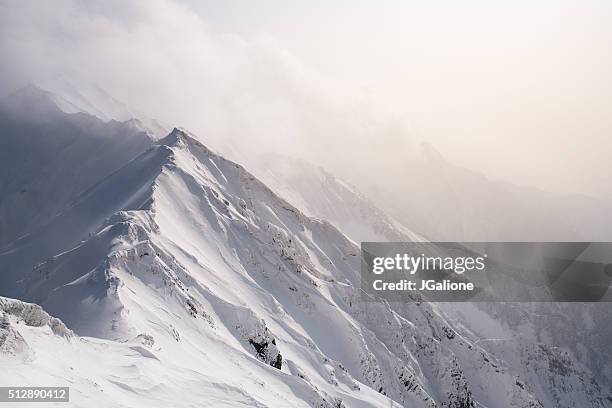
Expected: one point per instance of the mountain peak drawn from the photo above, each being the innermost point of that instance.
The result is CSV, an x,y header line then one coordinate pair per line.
x,y
177,135
172,258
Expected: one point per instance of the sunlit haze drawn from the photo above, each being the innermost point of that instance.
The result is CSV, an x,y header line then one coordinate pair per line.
x,y
517,90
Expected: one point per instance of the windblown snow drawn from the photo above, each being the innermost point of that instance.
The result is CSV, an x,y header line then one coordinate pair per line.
x,y
161,274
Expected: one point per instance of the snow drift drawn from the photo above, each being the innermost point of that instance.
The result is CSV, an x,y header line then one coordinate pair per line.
x,y
197,283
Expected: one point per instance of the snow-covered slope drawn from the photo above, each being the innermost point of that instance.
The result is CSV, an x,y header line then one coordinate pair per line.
x,y
198,284
49,157
320,194
578,329
144,371
567,337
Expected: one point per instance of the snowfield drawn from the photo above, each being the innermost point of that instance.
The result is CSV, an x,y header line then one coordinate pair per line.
x,y
167,275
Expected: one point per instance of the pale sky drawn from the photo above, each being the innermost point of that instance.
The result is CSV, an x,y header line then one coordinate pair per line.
x,y
519,90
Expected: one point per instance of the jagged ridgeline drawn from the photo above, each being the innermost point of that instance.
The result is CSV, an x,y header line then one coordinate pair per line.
x,y
181,279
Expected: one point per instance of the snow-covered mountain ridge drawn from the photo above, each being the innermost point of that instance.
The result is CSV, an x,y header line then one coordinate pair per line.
x,y
320,194
199,284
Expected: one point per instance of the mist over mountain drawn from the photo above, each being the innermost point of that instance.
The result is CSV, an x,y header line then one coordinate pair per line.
x,y
43,148
169,275
185,186
446,202
517,91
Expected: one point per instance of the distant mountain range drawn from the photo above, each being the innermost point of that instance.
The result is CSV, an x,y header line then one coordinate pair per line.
x,y
148,270
446,202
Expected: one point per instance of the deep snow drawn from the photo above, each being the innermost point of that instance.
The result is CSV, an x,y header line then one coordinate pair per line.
x,y
187,281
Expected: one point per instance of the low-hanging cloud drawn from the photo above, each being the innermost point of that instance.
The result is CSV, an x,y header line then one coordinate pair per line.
x,y
163,59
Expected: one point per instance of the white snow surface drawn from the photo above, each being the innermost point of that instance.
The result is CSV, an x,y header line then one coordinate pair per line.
x,y
188,282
